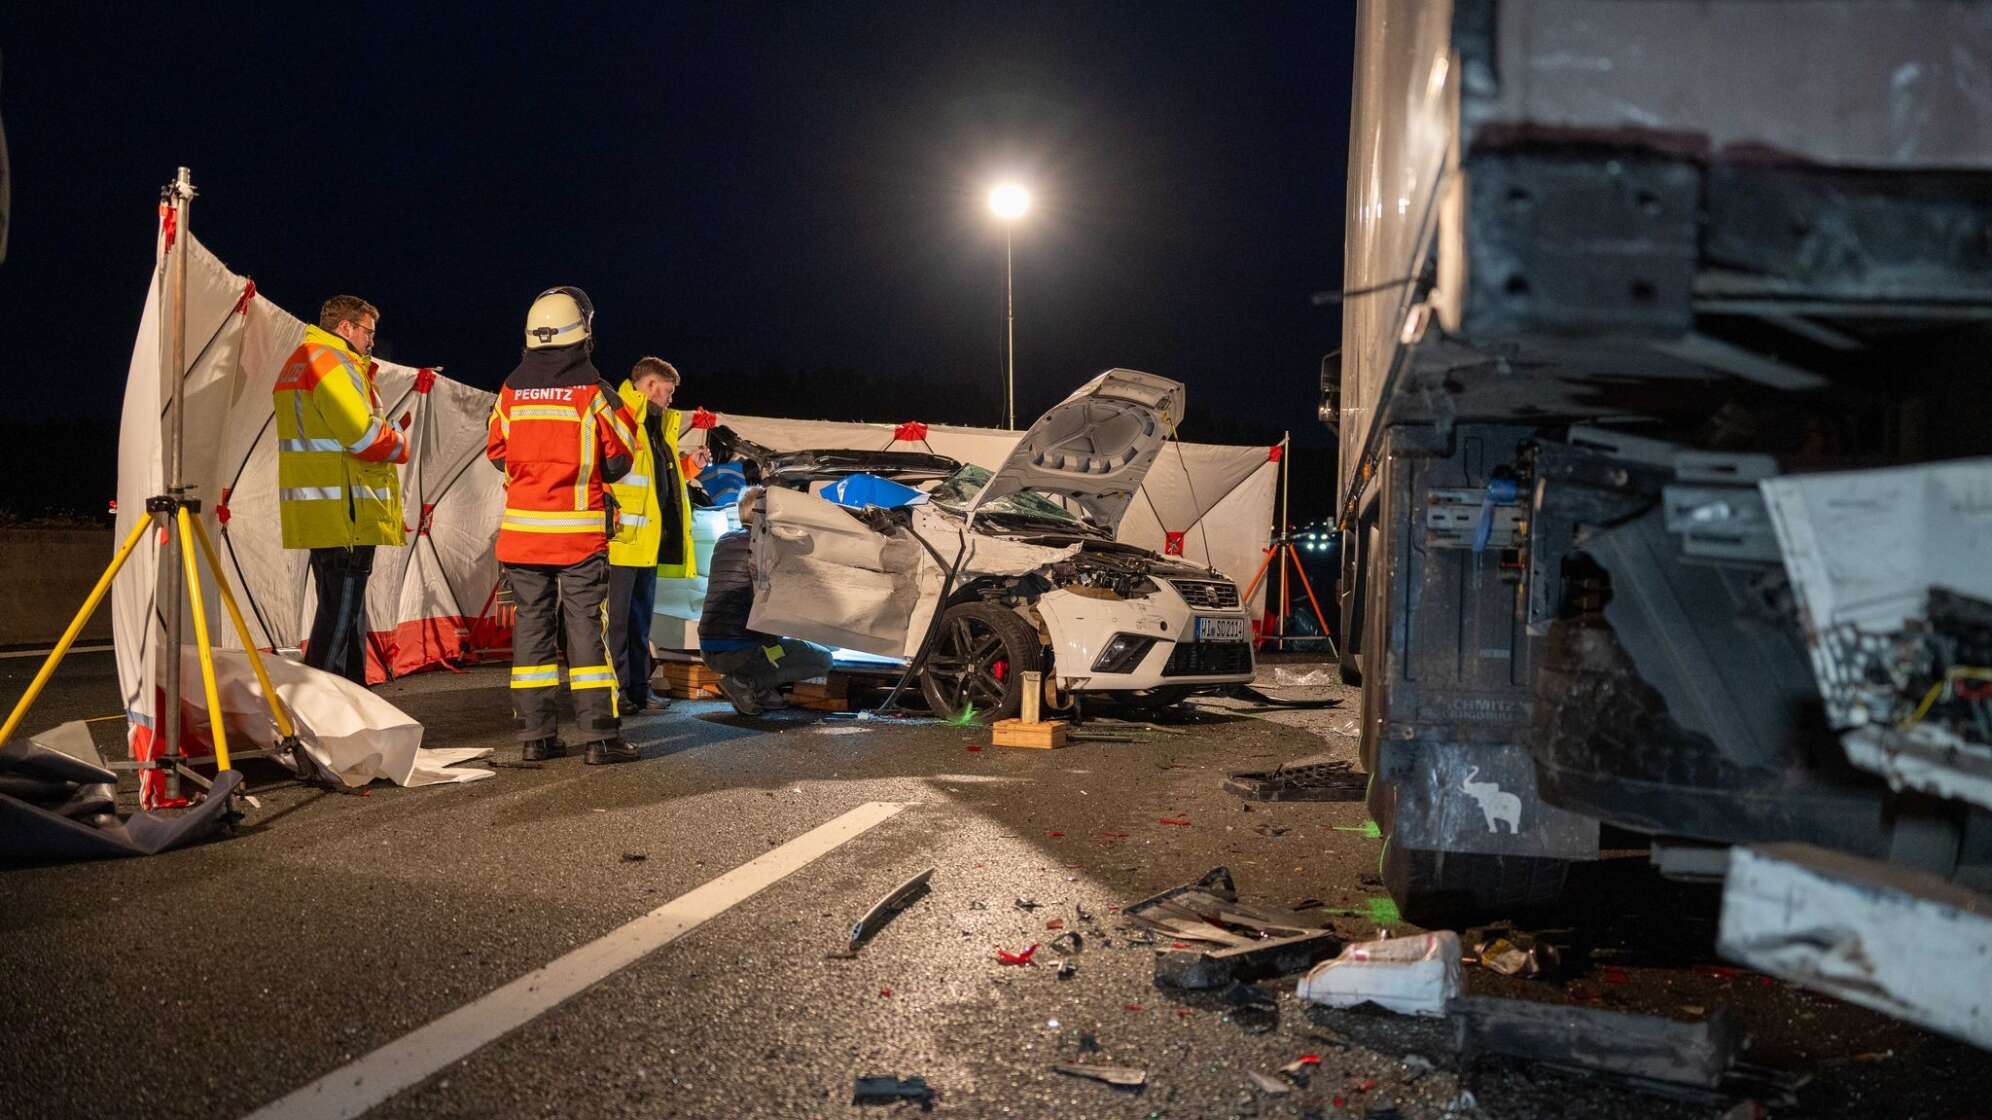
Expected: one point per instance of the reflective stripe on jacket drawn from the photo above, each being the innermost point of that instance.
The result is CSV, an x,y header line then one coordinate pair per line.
x,y
336,449
639,528
556,445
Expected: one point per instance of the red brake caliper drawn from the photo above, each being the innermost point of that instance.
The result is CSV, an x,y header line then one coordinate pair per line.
x,y
998,668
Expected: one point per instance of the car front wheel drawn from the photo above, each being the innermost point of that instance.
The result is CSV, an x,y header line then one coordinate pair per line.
x,y
978,661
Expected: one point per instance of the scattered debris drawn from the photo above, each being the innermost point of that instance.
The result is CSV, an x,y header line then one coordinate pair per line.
x,y
1254,1009
1417,1066
978,904
1182,822
1317,781
1055,923
888,1089
1022,958
882,911
635,857
1646,1051
1066,970
1089,1043
1515,954
1410,975
1274,831
1027,904
1271,1086
1284,677
1069,943
1120,1077
1254,941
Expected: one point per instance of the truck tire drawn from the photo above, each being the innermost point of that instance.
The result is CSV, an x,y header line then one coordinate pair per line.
x,y
980,657
1434,889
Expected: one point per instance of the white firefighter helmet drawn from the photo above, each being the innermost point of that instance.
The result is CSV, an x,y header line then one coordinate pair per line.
x,y
559,317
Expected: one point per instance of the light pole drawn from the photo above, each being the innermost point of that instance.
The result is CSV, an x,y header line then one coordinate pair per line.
x,y
1008,202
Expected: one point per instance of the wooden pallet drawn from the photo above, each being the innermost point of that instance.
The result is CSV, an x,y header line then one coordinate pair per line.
x,y
688,680
831,695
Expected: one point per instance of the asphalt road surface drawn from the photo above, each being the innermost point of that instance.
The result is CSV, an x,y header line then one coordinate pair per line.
x,y
216,980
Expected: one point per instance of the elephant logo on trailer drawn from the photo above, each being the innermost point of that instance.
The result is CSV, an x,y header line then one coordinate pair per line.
x,y
1495,804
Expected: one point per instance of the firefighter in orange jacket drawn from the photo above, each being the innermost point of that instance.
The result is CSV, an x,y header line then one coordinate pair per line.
x,y
561,436
338,493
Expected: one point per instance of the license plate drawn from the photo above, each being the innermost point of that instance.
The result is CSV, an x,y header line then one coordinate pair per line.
x,y
1220,629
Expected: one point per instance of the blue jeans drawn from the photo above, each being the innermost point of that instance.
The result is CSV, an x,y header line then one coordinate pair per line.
x,y
632,602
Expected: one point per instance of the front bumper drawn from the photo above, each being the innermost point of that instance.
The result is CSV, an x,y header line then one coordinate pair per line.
x,y
1081,629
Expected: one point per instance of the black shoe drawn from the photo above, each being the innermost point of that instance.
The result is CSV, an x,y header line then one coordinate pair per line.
x,y
607,751
539,750
741,696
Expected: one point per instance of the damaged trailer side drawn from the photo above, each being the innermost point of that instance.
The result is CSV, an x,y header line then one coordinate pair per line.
x,y
1612,294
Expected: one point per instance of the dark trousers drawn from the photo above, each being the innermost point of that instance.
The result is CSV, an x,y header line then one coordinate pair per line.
x,y
632,602
770,665
339,629
555,603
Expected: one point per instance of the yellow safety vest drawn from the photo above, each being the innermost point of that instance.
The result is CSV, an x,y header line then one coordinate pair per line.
x,y
336,450
639,531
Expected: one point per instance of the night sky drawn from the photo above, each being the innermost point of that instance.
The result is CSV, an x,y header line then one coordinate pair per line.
x,y
787,203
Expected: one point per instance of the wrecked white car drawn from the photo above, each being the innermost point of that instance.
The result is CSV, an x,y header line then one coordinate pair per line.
x,y
1020,564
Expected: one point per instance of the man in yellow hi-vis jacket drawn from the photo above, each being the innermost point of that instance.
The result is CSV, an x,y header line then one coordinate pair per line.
x,y
338,493
653,525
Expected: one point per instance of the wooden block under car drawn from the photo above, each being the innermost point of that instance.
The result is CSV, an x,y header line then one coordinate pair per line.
x,y
1044,735
819,696
689,680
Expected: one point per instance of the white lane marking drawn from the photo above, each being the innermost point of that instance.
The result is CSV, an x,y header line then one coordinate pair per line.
x,y
46,652
352,1089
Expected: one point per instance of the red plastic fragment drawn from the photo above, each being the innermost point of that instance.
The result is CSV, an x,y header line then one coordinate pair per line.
x,y
1310,1059
972,748
1366,1084
1172,543
1178,945
885,992
1016,958
1114,835
911,432
1130,1007
1340,1103
1182,1013
1056,835
703,419
1173,820
1055,923
1614,975
1766,981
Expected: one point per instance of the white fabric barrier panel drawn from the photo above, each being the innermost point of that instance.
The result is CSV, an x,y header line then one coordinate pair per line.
x,y
350,731
422,597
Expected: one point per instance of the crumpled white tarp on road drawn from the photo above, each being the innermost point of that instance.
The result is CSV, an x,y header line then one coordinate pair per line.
x,y
350,731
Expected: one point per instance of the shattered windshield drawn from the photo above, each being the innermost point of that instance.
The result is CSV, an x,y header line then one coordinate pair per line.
x,y
962,486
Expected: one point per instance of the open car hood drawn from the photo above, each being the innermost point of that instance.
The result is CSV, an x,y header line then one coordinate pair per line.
x,y
1094,447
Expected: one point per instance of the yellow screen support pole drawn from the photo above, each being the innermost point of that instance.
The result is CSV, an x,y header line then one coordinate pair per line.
x,y
215,720
76,625
277,713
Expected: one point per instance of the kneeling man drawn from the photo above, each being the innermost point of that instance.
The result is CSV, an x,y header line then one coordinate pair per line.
x,y
752,666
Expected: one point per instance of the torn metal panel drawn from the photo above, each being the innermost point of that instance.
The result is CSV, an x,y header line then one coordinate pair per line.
x,y
1903,942
1251,941
1924,758
1644,1050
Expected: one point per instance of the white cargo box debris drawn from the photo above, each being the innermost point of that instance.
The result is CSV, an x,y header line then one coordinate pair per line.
x,y
1410,975
1902,942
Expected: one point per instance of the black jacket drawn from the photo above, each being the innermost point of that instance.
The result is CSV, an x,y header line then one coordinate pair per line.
x,y
730,592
